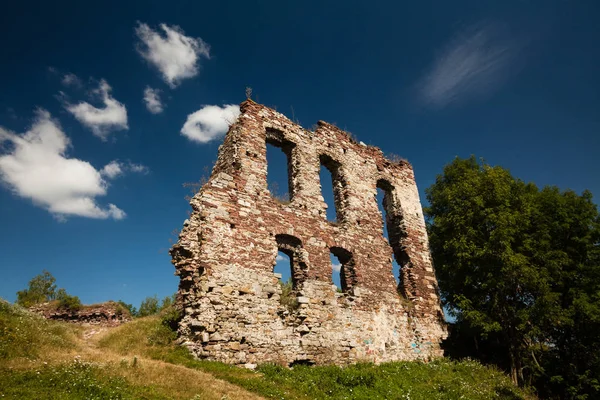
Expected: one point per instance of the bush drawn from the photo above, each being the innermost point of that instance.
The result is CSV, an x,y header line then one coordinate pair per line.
x,y
288,297
67,302
148,307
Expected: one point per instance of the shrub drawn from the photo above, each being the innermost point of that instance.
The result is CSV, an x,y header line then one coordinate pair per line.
x,y
288,296
67,302
148,307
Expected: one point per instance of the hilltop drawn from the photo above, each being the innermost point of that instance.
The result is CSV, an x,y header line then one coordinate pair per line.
x,y
44,359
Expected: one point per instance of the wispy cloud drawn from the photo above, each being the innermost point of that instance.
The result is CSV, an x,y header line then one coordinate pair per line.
x,y
71,79
117,168
37,167
101,121
210,122
336,267
175,55
473,64
152,100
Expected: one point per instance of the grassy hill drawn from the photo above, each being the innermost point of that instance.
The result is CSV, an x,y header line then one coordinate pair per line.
x,y
42,359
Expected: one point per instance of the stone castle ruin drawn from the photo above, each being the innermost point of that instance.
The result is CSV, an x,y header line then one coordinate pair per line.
x,y
231,297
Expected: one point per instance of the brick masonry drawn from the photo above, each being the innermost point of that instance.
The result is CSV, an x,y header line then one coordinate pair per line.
x,y
230,296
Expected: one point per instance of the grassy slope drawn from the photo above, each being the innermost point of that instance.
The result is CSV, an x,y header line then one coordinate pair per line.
x,y
42,359
442,379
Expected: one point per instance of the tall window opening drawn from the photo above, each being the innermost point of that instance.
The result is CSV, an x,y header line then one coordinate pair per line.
x,y
392,228
279,166
343,272
333,187
291,247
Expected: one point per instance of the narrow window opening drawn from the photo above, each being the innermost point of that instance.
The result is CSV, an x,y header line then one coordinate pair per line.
x,y
343,271
327,193
336,269
392,229
279,166
333,188
283,267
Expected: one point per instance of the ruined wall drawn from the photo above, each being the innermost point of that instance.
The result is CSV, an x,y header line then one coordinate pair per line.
x,y
104,314
227,249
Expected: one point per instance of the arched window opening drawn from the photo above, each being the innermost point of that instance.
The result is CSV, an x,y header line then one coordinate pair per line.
x,y
343,269
393,229
333,187
291,247
279,166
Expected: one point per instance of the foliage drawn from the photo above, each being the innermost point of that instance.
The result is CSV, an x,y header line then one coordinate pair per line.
x,y
152,306
288,296
42,288
129,307
149,306
519,269
28,335
67,302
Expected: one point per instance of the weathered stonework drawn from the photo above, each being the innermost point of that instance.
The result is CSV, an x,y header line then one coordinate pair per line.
x,y
104,314
226,252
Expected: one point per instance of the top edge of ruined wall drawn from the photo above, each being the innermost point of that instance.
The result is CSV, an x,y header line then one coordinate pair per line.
x,y
249,106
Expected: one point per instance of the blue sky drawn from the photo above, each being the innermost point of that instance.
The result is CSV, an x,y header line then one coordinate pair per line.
x,y
92,173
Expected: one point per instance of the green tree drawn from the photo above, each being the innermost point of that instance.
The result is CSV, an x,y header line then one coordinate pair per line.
x,y
567,247
519,269
477,223
42,288
130,307
149,306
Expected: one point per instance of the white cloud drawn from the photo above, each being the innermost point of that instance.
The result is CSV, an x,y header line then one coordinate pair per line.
x,y
474,63
101,121
71,80
280,258
152,100
336,267
210,122
116,168
138,168
112,170
175,55
36,167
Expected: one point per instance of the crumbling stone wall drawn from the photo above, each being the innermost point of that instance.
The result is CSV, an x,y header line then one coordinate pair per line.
x,y
104,314
227,249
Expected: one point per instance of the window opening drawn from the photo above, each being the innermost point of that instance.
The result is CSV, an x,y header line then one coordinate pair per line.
x,y
279,166
343,269
392,229
336,269
283,267
291,247
332,187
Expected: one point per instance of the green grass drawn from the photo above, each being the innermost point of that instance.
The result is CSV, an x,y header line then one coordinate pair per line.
x,y
442,379
28,339
76,380
28,335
